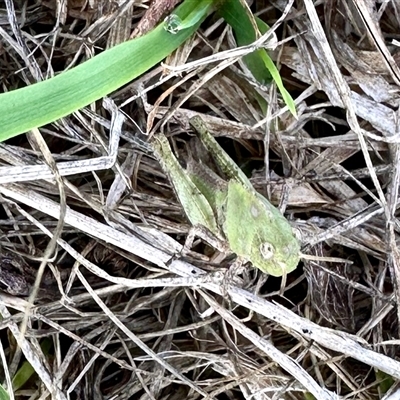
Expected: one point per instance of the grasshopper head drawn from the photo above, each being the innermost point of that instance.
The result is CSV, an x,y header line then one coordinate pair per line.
x,y
258,232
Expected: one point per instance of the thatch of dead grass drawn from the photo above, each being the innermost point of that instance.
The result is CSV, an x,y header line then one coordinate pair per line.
x,y
129,321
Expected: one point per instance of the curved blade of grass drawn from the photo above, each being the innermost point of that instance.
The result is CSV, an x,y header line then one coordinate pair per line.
x,y
258,62
44,102
287,98
237,16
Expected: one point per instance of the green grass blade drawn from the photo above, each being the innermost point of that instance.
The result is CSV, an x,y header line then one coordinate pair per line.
x,y
3,394
258,62
385,381
237,17
44,102
26,370
287,98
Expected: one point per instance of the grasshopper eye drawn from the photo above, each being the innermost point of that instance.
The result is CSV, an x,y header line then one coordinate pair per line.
x,y
267,250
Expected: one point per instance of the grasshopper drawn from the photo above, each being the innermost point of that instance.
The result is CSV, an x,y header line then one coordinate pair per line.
x,y
231,209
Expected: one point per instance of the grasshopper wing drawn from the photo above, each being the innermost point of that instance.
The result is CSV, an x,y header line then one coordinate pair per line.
x,y
194,203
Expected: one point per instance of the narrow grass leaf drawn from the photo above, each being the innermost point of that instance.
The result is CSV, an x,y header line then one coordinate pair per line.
x,y
44,102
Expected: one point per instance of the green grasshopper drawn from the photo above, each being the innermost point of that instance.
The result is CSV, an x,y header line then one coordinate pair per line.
x,y
231,210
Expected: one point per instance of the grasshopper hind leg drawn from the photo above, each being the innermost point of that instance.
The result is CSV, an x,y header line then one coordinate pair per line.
x,y
207,236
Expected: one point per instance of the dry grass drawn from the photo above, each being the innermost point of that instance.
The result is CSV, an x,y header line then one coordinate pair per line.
x,y
126,320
